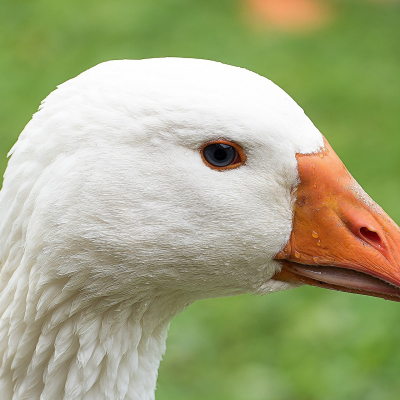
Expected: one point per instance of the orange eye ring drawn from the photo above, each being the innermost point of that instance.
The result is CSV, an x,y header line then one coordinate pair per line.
x,y
222,154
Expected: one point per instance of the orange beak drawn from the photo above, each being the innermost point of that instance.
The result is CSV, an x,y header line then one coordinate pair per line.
x,y
341,239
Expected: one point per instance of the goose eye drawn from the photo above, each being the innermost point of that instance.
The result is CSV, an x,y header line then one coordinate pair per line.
x,y
222,154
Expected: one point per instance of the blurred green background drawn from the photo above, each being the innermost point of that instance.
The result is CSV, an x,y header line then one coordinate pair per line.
x,y
303,344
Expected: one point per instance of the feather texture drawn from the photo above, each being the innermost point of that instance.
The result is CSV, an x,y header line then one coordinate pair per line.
x,y
111,224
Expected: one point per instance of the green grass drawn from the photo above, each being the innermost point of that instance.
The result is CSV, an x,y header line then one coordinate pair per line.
x,y
304,344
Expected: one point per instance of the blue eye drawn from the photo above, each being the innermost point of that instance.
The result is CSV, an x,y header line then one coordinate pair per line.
x,y
222,154
219,154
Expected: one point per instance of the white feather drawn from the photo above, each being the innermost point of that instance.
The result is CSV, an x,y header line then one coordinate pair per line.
x,y
111,224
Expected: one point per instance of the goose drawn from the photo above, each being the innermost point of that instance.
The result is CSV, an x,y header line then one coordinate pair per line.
x,y
141,186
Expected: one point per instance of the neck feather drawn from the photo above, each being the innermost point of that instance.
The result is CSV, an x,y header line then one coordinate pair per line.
x,y
60,339
100,351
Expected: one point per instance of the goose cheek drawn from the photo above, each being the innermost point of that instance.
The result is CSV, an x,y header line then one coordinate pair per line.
x,y
341,239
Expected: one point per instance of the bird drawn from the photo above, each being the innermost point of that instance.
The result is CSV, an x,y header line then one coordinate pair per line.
x,y
141,186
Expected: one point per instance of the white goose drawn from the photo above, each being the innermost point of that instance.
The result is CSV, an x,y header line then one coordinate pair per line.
x,y
142,186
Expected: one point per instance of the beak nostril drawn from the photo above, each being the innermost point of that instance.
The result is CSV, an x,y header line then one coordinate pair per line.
x,y
370,236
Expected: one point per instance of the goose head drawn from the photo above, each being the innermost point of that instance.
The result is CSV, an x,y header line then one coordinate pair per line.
x,y
142,186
